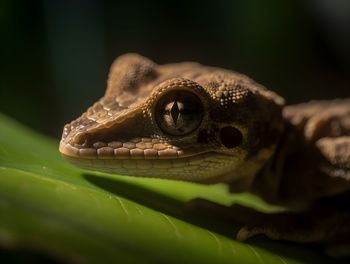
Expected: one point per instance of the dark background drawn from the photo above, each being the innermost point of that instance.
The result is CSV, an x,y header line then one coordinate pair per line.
x,y
55,55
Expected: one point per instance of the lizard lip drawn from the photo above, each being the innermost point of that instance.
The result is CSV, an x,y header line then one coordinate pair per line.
x,y
194,166
127,150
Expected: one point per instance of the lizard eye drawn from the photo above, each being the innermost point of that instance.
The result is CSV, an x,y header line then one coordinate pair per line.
x,y
179,112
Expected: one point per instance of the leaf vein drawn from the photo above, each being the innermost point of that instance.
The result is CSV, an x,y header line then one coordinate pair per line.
x,y
217,242
256,254
176,230
123,208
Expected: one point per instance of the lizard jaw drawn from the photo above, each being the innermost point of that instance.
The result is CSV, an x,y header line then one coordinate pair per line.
x,y
165,163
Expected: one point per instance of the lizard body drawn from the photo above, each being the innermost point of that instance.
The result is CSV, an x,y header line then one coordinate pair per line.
x,y
186,121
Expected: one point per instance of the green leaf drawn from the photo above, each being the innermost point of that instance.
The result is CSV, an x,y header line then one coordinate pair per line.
x,y
49,207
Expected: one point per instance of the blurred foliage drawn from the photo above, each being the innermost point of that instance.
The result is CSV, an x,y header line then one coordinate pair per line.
x,y
55,54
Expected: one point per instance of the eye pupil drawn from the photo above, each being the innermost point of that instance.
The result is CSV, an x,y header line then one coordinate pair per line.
x,y
179,112
175,111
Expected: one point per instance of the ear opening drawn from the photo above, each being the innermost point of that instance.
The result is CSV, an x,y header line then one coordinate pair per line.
x,y
231,137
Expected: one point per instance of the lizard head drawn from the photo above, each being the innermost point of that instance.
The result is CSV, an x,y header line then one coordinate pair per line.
x,y
178,121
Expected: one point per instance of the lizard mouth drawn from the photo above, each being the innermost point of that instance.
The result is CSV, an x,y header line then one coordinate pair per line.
x,y
138,148
158,161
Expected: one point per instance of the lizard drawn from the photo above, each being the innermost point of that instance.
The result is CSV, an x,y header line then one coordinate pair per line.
x,y
186,121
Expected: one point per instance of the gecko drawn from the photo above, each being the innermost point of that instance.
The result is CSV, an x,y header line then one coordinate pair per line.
x,y
186,121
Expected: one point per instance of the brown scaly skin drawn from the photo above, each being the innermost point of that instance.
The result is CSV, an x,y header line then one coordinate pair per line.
x,y
197,123
121,134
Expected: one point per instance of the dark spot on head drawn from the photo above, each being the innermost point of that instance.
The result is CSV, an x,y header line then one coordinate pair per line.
x,y
230,137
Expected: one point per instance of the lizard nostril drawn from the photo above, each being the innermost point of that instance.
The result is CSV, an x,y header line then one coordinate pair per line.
x,y
231,137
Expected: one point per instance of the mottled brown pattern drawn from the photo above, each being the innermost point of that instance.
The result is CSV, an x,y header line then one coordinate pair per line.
x,y
127,113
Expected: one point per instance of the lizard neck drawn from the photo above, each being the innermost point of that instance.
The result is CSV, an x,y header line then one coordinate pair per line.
x,y
292,177
273,182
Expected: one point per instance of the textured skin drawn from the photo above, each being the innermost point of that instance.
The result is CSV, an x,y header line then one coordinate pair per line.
x,y
313,159
119,133
297,156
